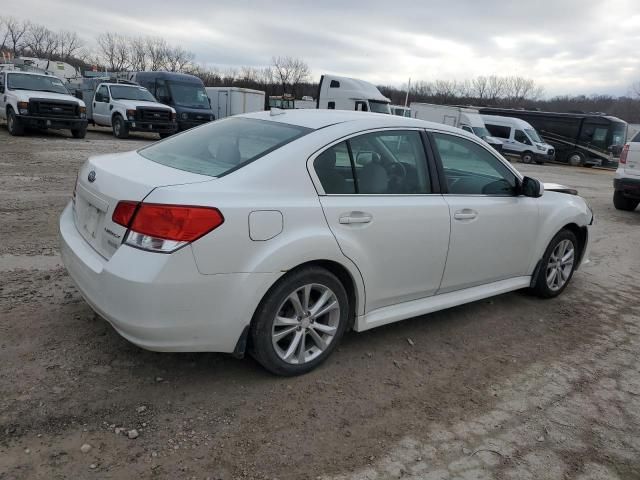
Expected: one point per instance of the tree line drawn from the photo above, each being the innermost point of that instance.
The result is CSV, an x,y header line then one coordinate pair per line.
x,y
288,75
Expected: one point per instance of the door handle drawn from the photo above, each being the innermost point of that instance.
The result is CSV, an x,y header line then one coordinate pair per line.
x,y
355,217
466,214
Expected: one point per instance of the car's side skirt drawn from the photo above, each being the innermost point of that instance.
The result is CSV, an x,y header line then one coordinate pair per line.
x,y
414,308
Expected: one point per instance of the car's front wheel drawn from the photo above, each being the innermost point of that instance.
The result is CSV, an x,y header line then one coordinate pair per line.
x,y
300,321
120,129
14,125
558,264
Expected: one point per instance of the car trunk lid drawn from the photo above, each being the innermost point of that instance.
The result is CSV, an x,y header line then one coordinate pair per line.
x,y
105,180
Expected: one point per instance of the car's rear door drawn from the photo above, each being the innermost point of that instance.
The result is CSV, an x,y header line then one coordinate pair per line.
x,y
379,200
492,228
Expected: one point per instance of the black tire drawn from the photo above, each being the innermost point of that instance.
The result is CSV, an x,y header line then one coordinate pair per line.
x,y
14,125
120,128
262,328
576,159
527,157
541,287
79,132
624,203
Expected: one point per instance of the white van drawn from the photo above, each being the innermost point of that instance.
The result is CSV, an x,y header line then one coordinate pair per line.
x,y
466,118
344,93
519,138
227,101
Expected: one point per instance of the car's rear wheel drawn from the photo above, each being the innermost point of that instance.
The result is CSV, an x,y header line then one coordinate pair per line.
x,y
558,264
120,129
14,125
300,321
624,203
576,159
527,157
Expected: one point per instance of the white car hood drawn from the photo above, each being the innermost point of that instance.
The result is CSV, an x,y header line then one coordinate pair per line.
x,y
25,95
143,103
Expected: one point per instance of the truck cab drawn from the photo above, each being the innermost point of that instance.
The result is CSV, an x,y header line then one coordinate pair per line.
x,y
344,93
184,93
127,107
39,100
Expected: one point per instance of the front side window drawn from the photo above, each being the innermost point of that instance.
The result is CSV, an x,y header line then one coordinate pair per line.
x,y
36,83
102,95
389,162
218,148
121,92
519,136
470,169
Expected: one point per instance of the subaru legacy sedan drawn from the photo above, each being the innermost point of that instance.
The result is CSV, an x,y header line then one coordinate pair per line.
x,y
275,232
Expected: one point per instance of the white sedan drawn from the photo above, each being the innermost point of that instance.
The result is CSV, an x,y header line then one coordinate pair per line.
x,y
276,232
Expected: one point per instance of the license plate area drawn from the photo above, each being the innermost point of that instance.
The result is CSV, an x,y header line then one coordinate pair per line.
x,y
89,216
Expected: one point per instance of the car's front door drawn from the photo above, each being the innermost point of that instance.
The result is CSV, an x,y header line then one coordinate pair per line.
x,y
380,204
101,113
492,228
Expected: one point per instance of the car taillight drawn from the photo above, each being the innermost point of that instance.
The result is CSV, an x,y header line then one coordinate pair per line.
x,y
623,154
165,228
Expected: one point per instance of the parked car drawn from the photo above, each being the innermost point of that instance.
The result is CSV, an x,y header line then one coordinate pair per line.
x,y
125,107
626,183
35,100
263,231
519,138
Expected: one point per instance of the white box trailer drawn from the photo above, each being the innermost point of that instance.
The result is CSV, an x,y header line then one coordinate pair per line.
x,y
227,101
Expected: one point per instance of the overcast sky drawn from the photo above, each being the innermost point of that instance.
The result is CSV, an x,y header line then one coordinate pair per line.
x,y
567,46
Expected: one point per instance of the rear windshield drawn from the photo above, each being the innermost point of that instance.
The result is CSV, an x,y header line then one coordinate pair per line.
x,y
219,147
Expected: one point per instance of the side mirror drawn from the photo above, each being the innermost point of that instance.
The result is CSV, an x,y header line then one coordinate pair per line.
x,y
530,187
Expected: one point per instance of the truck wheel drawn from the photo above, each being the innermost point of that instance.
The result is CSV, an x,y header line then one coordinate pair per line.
x,y
120,129
79,132
624,203
527,157
14,125
575,159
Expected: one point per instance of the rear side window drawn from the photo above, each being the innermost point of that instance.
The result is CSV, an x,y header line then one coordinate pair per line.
x,y
220,147
498,130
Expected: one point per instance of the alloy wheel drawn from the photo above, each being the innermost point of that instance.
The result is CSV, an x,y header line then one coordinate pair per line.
x,y
305,324
560,265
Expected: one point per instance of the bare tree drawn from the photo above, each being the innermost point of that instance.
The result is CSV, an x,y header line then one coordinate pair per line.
x,y
445,89
480,87
495,87
16,31
40,41
138,54
289,71
635,89
69,44
156,53
4,34
177,58
114,51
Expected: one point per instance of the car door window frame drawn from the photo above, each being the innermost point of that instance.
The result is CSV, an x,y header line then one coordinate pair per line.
x,y
444,187
430,167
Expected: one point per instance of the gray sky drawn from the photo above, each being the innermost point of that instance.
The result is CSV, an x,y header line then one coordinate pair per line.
x,y
567,46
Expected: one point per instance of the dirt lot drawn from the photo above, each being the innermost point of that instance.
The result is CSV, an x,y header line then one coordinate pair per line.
x,y
508,388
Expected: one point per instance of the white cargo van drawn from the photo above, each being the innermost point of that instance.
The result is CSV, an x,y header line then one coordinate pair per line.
x,y
344,93
227,101
519,138
466,118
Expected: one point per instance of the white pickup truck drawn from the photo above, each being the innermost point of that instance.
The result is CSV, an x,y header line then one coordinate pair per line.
x,y
125,107
35,100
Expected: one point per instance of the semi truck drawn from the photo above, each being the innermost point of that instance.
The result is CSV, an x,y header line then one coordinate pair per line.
x,y
344,93
227,101
30,99
184,93
584,139
465,118
124,107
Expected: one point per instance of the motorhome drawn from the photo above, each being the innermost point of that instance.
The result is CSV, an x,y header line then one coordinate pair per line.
x,y
466,118
584,139
228,101
519,138
185,93
343,93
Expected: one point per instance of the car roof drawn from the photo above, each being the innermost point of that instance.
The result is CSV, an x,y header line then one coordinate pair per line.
x,y
321,118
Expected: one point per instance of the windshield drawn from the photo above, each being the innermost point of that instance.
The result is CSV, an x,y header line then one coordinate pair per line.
x,y
619,133
533,135
218,148
38,83
122,92
379,107
189,95
481,132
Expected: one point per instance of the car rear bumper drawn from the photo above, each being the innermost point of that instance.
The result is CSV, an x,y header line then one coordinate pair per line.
x,y
53,122
630,187
161,302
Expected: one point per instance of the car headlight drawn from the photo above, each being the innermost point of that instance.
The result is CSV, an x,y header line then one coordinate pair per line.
x,y
23,108
541,148
83,112
131,114
211,118
184,116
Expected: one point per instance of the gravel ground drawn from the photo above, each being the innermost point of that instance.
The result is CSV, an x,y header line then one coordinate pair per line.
x,y
509,388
